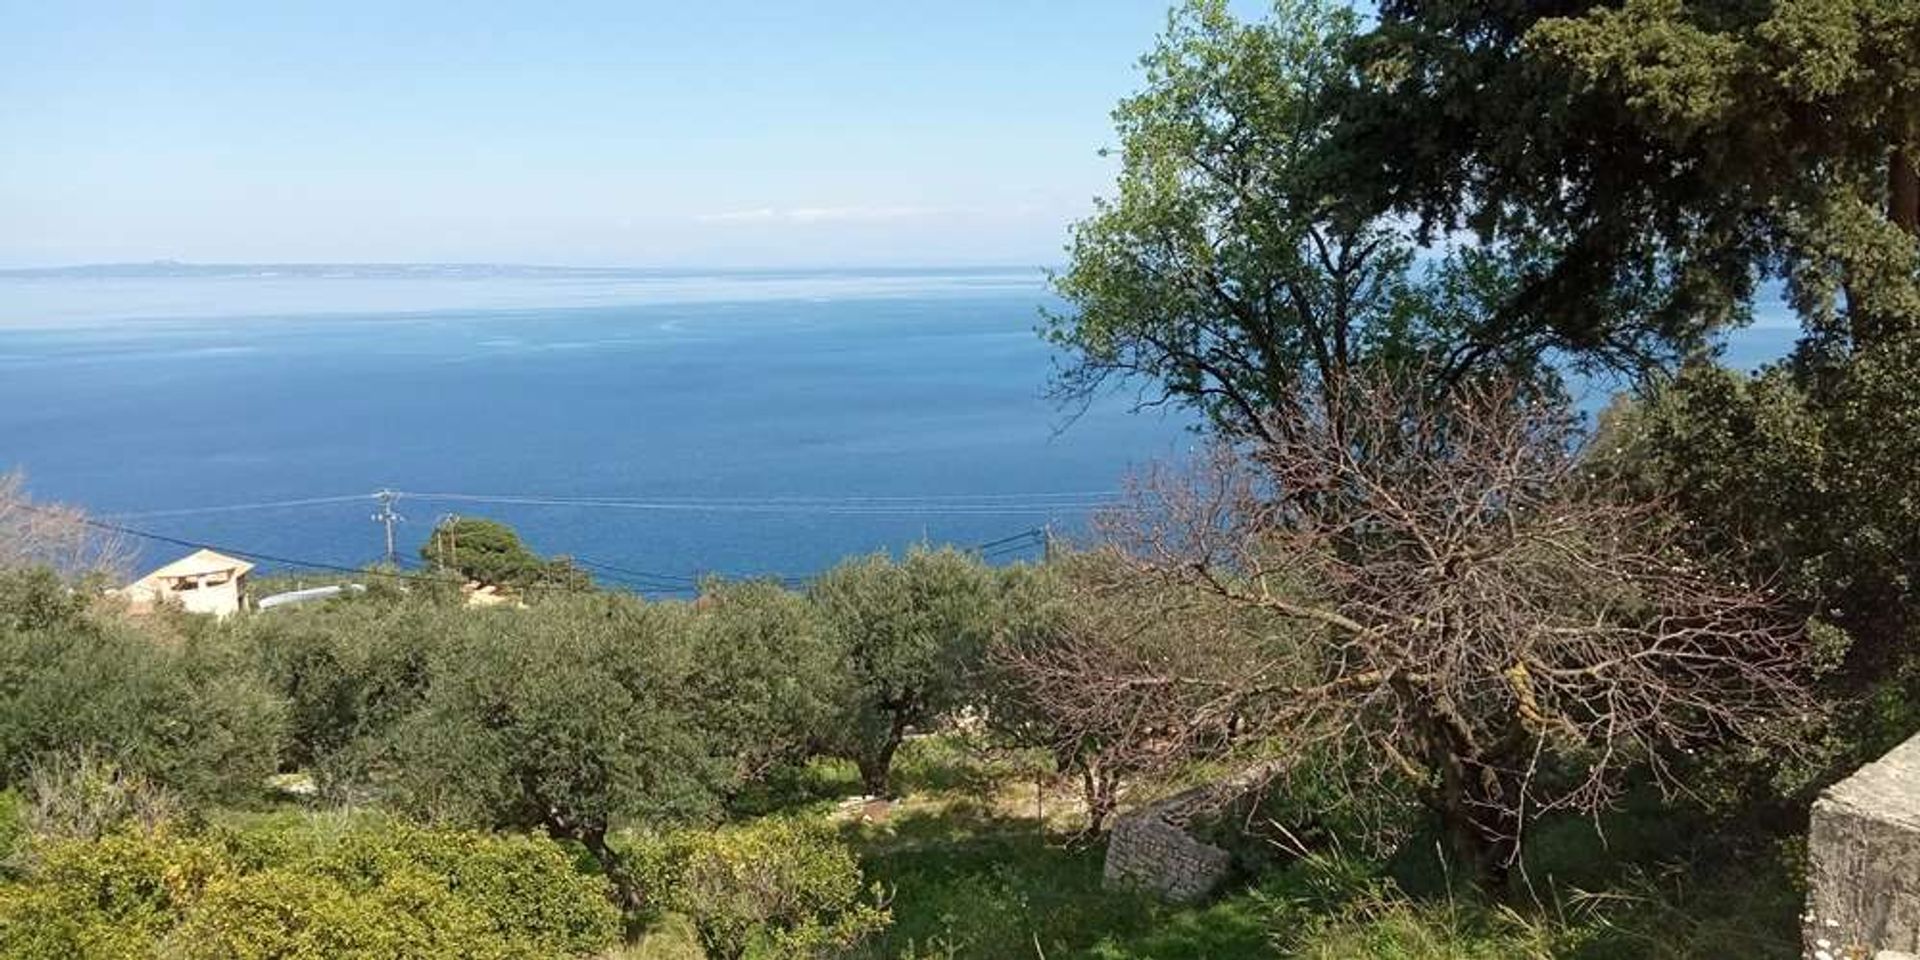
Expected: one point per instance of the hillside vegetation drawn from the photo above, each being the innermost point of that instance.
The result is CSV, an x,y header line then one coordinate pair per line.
x,y
1522,683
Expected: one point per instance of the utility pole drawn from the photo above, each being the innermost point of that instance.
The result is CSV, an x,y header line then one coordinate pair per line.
x,y
387,518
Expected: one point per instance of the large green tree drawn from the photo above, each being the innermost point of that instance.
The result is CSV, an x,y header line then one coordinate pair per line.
x,y
1665,159
912,633
769,679
570,717
180,708
490,552
1645,163
1249,247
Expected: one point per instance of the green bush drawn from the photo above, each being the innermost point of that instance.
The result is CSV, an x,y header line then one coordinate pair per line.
x,y
348,670
368,890
773,888
13,830
190,712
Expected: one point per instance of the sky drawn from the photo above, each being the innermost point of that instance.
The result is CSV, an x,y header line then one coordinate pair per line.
x,y
735,133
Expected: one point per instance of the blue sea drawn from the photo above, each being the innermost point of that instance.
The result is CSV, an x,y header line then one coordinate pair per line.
x,y
662,425
739,423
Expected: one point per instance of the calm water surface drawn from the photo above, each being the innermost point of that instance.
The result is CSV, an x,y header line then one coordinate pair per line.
x,y
745,423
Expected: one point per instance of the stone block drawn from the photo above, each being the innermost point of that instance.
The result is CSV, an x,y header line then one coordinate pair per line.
x,y
1863,851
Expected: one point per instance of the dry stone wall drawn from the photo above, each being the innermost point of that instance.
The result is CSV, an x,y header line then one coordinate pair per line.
x,y
1151,849
1154,847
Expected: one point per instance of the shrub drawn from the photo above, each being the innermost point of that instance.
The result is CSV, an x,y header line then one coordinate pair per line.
x,y
777,888
191,715
348,670
83,796
369,890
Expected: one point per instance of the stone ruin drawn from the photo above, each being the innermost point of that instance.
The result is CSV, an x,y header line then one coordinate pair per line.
x,y
1151,849
1155,848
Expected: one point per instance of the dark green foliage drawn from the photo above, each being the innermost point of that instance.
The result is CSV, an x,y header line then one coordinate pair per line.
x,y
190,714
36,598
1640,165
1253,244
913,633
489,552
565,717
349,669
769,679
1805,481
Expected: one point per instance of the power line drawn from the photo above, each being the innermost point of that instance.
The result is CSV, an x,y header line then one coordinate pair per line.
x,y
642,574
764,506
988,504
626,576
241,507
1028,534
294,562
961,498
234,551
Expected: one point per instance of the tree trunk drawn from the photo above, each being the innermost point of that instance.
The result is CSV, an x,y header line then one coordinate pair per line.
x,y
1098,788
1469,801
627,892
1903,189
1466,843
876,767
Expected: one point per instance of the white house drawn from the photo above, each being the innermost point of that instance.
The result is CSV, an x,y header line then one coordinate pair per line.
x,y
201,582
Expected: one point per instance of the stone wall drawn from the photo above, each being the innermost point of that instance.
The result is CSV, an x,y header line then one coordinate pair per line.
x,y
1864,861
1155,848
1151,849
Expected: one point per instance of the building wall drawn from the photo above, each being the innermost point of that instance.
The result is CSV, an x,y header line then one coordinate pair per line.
x,y
221,601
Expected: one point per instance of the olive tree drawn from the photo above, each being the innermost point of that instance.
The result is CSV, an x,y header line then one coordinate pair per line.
x,y
569,717
912,633
1086,615
767,677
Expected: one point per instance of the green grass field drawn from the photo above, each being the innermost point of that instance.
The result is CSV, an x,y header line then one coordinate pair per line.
x,y
973,870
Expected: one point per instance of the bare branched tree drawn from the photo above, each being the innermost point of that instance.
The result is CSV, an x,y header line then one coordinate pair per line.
x,y
1469,613
52,535
1118,678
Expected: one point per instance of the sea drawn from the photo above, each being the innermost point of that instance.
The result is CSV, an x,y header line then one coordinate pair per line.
x,y
659,426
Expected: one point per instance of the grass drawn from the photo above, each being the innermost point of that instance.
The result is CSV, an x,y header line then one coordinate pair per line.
x,y
975,874
670,938
977,865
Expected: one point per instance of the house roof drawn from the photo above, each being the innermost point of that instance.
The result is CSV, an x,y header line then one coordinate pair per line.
x,y
197,563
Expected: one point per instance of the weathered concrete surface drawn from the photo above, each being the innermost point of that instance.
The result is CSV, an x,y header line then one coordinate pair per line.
x,y
1150,848
1864,860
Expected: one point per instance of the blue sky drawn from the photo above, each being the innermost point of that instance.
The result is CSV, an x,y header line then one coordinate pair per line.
x,y
713,133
